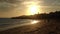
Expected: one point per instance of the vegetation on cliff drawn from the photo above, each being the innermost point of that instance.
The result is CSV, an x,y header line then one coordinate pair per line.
x,y
51,15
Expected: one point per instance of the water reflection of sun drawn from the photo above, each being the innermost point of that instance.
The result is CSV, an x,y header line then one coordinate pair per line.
x,y
32,8
34,22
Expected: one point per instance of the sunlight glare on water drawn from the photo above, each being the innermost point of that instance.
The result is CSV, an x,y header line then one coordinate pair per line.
x,y
34,22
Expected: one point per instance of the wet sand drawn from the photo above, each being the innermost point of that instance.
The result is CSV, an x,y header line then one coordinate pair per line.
x,y
51,26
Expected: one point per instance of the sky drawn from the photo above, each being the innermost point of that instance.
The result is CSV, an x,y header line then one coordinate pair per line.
x,y
13,8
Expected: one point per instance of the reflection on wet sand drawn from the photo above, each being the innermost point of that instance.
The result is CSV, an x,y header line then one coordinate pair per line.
x,y
16,23
43,27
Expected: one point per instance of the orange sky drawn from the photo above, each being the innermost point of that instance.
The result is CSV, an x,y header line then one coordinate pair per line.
x,y
13,8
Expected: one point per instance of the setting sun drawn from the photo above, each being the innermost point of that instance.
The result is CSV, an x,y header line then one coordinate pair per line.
x,y
33,8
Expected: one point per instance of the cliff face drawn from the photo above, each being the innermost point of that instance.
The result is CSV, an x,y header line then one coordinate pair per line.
x,y
52,15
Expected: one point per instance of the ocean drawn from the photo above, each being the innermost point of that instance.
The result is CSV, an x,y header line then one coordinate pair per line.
x,y
6,23
29,26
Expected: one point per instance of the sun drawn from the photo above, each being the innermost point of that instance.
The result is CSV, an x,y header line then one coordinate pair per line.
x,y
33,8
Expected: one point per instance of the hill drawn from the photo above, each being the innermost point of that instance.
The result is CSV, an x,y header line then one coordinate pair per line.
x,y
51,15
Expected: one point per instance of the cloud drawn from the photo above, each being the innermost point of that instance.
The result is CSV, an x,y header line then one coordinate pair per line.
x,y
50,2
9,8
8,5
